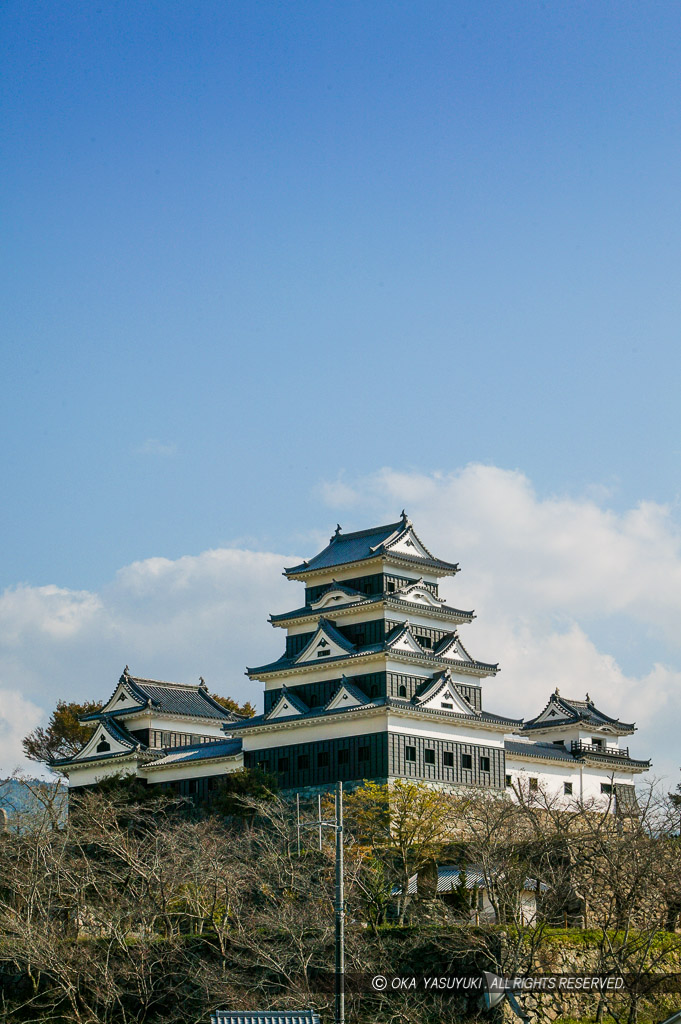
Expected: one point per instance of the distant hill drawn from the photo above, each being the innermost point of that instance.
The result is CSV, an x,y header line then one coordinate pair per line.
x,y
22,796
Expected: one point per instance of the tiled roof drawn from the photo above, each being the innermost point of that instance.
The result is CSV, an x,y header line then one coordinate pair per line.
x,y
572,711
361,545
552,751
118,732
375,702
173,698
198,752
265,1017
417,609
556,752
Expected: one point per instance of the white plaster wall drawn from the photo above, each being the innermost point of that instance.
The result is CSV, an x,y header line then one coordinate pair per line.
x,y
197,770
89,774
450,730
586,781
186,725
339,727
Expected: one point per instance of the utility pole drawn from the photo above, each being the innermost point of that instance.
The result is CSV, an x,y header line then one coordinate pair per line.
x,y
340,911
339,902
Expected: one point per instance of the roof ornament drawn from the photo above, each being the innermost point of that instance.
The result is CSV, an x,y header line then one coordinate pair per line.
x,y
404,517
556,692
202,683
336,534
125,676
588,698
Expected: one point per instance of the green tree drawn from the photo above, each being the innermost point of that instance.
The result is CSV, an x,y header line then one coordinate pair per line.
x,y
246,709
64,735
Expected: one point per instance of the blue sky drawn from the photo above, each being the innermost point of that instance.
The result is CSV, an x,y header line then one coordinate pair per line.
x,y
255,252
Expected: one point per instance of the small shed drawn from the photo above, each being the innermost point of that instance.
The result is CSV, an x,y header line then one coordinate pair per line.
x,y
451,879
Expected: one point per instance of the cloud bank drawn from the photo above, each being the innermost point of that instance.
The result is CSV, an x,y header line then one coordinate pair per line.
x,y
567,593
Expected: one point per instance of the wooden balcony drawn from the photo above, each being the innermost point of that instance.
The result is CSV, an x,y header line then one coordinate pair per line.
x,y
582,747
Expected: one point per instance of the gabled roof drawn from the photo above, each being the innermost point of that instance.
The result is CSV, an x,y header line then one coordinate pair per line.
x,y
191,699
443,684
561,711
556,752
117,732
389,597
288,705
346,691
326,635
397,538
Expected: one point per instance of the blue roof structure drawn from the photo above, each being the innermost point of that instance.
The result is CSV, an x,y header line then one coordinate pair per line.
x,y
198,752
172,698
365,544
568,712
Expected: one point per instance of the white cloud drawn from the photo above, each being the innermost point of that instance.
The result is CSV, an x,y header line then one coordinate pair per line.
x,y
567,593
17,718
547,578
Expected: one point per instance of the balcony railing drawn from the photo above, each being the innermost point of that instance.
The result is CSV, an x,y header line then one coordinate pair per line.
x,y
582,747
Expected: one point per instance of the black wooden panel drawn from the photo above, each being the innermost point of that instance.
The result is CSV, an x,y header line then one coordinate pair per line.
x,y
300,764
400,767
316,695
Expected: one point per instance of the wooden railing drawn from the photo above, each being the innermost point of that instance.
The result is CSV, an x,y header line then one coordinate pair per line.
x,y
582,747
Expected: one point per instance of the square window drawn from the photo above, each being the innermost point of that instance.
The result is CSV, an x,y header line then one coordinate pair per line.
x,y
282,764
363,753
448,759
429,756
534,784
567,788
466,761
323,759
344,756
606,788
410,753
303,761
484,763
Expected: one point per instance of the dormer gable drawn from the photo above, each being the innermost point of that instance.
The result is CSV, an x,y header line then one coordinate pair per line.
x,y
288,705
405,542
107,739
346,696
124,698
450,647
419,594
326,643
335,595
442,695
404,640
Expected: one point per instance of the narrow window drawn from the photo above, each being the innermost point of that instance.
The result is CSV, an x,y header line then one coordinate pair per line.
x,y
303,761
391,587
567,788
344,756
363,753
402,692
484,763
410,753
429,755
509,781
467,761
448,759
323,759
282,764
534,784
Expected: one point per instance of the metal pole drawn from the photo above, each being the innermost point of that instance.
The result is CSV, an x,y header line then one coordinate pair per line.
x,y
298,820
319,819
340,911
